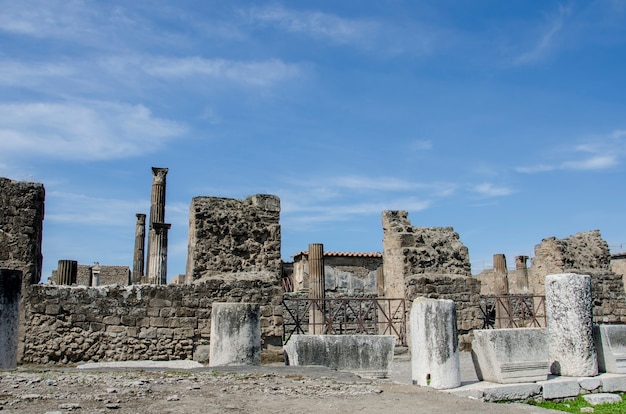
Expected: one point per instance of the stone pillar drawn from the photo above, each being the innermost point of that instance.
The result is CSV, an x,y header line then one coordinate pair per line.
x,y
317,289
95,274
434,344
157,272
521,282
10,294
140,241
157,199
67,271
235,334
569,311
157,235
501,288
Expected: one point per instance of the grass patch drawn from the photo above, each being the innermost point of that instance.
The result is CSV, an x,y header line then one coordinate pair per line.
x,y
574,406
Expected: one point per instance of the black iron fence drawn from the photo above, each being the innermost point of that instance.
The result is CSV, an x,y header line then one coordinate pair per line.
x,y
345,316
513,311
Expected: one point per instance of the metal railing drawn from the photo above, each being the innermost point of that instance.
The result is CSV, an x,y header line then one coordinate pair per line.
x,y
345,316
513,311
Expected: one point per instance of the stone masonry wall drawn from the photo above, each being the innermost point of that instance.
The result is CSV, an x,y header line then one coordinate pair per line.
x,y
583,253
66,325
229,235
430,262
21,225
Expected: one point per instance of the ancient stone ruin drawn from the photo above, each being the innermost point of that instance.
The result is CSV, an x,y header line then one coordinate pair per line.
x,y
229,235
431,263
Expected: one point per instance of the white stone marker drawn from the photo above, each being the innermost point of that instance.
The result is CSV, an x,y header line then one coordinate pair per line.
x,y
569,314
10,295
434,344
235,334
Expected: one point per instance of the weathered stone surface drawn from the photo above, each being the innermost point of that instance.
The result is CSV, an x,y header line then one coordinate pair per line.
x,y
589,384
610,342
430,262
10,291
117,323
369,355
21,224
613,382
602,398
583,253
229,235
235,334
560,388
570,327
434,342
511,355
511,392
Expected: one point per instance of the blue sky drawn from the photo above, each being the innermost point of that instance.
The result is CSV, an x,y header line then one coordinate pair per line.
x,y
504,120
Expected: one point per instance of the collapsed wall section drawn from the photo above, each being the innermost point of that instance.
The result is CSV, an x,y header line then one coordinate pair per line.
x,y
66,325
583,253
230,235
21,225
432,263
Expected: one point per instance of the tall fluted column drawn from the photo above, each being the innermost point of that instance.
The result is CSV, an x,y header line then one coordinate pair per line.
x,y
67,271
140,241
501,288
157,235
317,288
157,273
522,277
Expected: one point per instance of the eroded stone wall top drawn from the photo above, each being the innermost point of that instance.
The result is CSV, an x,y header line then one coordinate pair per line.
x,y
21,225
230,235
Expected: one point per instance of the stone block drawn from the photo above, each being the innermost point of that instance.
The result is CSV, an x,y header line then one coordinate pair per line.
x,y
511,355
111,320
159,322
368,355
613,382
569,314
610,342
435,349
235,334
589,384
160,303
10,293
511,392
560,388
53,309
602,398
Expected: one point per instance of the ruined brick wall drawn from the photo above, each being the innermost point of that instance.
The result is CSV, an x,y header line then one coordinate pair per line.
x,y
109,275
583,253
67,325
618,265
229,235
21,225
430,262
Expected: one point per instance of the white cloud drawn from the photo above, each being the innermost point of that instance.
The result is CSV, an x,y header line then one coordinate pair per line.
x,y
602,152
547,39
14,73
421,145
94,130
490,190
314,24
64,207
258,73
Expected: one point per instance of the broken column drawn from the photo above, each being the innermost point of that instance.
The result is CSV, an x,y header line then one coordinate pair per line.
x,y
157,272
317,289
569,311
139,256
434,344
157,235
67,271
10,290
501,289
235,334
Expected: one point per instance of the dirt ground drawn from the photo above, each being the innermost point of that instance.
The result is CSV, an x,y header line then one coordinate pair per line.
x,y
265,389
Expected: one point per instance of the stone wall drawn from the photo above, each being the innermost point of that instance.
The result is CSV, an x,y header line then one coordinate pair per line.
x,y
109,275
618,265
229,235
21,225
66,325
583,253
433,263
